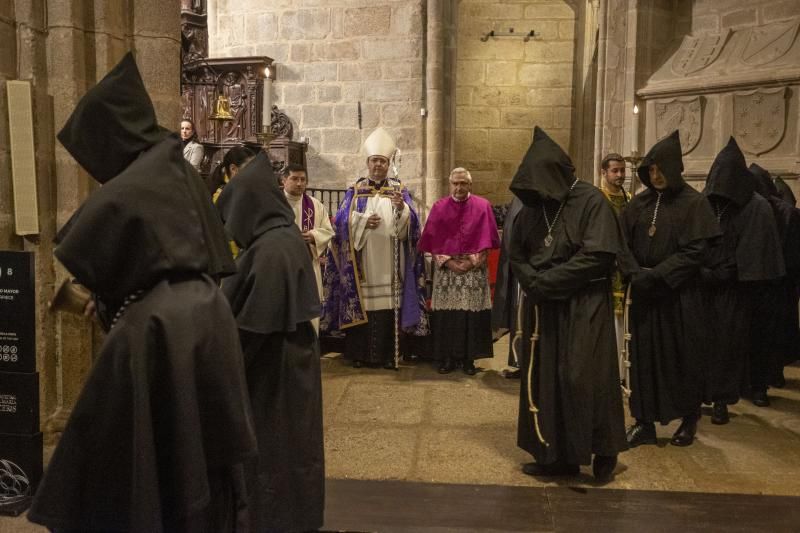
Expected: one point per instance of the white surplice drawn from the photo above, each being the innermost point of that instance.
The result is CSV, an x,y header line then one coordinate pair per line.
x,y
375,246
322,232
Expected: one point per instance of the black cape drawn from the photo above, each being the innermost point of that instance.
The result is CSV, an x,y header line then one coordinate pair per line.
x,y
776,315
668,338
785,192
575,377
112,125
157,438
747,254
504,302
274,298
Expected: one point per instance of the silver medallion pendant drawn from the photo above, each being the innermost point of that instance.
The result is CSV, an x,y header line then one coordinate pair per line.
x,y
548,240
652,230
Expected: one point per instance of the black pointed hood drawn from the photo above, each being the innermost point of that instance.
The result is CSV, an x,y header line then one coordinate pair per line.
x,y
137,229
785,192
729,177
666,153
764,184
252,203
113,123
546,171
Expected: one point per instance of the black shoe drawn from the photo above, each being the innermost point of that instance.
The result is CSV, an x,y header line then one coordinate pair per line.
x,y
779,381
760,398
686,432
389,365
511,373
469,368
357,363
446,366
720,414
642,433
551,470
603,467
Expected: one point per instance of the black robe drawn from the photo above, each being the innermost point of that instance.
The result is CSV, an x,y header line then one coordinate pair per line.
x,y
666,315
115,122
159,434
785,192
575,378
745,259
504,303
274,298
776,319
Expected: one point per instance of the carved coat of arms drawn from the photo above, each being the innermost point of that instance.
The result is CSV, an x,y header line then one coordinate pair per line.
x,y
683,114
698,52
759,119
767,43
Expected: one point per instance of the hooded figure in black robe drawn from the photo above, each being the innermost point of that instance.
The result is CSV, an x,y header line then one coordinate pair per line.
x,y
667,228
158,437
564,243
785,192
112,125
746,258
274,299
504,303
775,321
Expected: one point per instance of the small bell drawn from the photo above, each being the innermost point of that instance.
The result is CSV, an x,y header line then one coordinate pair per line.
x,y
222,111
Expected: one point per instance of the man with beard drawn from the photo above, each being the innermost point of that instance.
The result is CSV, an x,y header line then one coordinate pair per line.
x,y
612,172
563,248
274,299
158,437
358,272
668,227
746,260
775,321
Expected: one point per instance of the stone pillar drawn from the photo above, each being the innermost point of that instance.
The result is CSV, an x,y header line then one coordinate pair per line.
x,y
434,94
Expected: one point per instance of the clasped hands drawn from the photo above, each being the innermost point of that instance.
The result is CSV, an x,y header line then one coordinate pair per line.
x,y
459,265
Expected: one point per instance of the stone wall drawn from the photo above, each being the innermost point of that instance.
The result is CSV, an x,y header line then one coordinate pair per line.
x,y
63,48
505,86
732,68
332,55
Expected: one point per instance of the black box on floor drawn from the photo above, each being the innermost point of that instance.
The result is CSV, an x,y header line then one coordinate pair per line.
x,y
19,403
20,470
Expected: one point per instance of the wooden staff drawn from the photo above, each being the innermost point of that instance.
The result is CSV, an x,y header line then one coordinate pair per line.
x,y
625,351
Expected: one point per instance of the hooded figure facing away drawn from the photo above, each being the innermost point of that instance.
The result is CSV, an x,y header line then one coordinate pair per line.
x,y
746,259
158,437
775,320
667,227
274,299
563,246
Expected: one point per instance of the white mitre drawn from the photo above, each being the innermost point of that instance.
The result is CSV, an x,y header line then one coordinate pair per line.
x,y
380,143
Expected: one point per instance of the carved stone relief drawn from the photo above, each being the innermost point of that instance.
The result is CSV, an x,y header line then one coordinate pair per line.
x,y
682,114
768,43
698,52
759,119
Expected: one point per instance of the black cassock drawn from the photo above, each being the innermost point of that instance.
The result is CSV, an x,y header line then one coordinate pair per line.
x,y
274,298
157,439
504,302
669,338
776,320
575,375
747,259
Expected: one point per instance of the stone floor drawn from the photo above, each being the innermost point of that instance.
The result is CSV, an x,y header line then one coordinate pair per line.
x,y
418,426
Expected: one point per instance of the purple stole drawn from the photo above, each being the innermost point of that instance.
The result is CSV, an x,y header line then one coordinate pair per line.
x,y
307,215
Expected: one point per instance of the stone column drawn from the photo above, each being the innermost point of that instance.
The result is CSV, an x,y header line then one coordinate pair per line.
x,y
434,95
